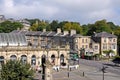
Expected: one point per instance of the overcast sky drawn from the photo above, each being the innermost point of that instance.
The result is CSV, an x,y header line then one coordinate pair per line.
x,y
83,11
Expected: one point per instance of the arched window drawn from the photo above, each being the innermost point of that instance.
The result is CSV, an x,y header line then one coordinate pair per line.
x,y
33,60
13,57
1,59
24,59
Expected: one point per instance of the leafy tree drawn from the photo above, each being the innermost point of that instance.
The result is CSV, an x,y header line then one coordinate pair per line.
x,y
15,70
107,52
9,26
34,27
84,29
112,25
32,21
54,25
117,33
99,26
72,25
39,25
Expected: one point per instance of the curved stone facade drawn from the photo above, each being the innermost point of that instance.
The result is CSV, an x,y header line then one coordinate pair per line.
x,y
28,52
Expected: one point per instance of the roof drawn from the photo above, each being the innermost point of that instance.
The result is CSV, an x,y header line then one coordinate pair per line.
x,y
12,39
104,34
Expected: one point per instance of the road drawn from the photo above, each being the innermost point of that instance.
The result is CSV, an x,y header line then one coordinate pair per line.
x,y
99,65
88,70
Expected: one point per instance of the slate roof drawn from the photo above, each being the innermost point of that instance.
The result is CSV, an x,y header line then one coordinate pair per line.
x,y
104,34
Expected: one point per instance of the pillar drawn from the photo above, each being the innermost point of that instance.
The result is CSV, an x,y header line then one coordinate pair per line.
x,y
48,72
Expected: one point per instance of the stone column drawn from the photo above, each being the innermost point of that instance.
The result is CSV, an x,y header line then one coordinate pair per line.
x,y
48,71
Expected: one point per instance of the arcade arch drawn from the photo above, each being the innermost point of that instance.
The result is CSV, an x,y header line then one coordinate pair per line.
x,y
13,57
1,59
33,60
24,59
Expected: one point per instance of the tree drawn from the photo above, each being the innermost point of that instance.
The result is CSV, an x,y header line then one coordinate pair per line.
x,y
117,33
54,25
16,70
9,26
99,26
72,25
39,25
107,52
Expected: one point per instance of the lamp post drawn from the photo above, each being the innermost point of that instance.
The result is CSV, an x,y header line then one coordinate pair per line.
x,y
0,71
103,71
68,64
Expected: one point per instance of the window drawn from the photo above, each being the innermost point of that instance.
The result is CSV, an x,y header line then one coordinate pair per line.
x,y
82,46
86,46
82,40
76,46
113,40
104,46
96,47
76,40
104,39
113,46
86,40
110,39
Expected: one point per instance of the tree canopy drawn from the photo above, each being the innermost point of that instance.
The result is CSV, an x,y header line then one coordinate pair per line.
x,y
9,26
15,70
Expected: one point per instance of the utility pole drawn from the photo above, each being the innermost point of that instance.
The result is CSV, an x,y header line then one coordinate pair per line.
x,y
0,71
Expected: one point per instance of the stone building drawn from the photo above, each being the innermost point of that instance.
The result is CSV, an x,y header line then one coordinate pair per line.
x,y
37,46
29,49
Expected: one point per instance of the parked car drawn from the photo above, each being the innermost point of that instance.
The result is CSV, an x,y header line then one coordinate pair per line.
x,y
116,60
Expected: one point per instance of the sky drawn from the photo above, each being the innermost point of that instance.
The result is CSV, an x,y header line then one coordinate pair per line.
x,y
82,11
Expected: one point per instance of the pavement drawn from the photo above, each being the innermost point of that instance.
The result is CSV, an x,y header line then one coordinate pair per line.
x,y
82,73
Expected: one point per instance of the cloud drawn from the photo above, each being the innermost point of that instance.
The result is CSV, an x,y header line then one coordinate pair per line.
x,y
83,11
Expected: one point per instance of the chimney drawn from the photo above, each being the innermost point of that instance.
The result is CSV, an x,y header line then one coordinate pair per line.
x,y
58,30
72,32
44,30
65,32
112,33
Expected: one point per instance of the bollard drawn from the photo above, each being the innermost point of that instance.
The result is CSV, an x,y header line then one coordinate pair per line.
x,y
70,68
68,74
57,70
83,74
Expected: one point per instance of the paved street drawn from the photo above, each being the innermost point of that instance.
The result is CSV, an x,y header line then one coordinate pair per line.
x,y
90,73
88,70
99,64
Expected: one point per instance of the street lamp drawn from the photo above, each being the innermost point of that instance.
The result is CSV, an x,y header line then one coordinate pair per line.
x,y
0,70
68,63
103,70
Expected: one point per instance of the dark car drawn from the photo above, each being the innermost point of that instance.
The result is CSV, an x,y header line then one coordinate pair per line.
x,y
116,60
